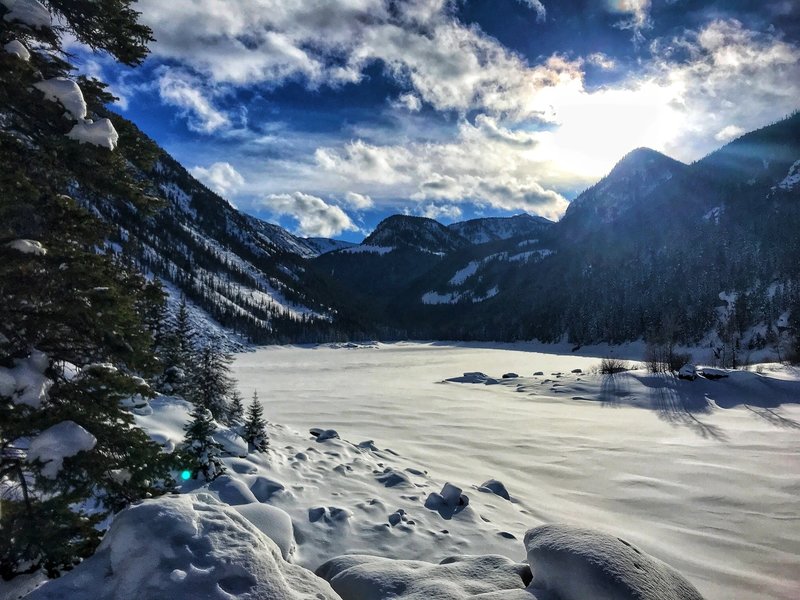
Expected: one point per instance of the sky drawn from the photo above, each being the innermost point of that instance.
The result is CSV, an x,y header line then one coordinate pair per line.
x,y
326,116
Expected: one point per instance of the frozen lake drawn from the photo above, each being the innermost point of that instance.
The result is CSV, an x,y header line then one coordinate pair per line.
x,y
715,495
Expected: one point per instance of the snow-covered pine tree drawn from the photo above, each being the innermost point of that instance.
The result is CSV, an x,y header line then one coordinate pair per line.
x,y
212,383
236,408
255,428
201,452
180,354
64,305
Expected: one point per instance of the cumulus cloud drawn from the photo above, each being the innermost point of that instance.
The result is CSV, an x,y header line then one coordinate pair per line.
x,y
439,211
486,164
410,102
314,216
184,91
448,64
220,177
358,201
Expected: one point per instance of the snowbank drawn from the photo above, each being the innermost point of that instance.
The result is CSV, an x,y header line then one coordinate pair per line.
x,y
99,133
67,93
578,564
187,546
58,442
18,48
358,577
30,12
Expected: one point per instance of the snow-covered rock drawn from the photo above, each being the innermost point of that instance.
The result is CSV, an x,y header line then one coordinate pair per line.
x,y
18,48
687,371
713,374
324,434
359,577
495,487
27,247
273,522
67,93
577,564
29,12
99,133
58,442
792,178
186,546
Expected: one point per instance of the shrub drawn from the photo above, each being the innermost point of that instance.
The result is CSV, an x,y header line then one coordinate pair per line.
x,y
610,366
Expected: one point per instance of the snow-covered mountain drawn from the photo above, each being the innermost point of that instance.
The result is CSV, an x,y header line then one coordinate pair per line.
x,y
632,181
419,233
490,229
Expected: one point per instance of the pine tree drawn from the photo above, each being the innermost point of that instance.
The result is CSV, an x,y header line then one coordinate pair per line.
x,y
212,382
180,354
236,408
255,428
63,302
201,451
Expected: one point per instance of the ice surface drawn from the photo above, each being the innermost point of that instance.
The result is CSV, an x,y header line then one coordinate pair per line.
x,y
185,547
98,133
27,247
580,564
709,491
18,48
58,442
29,12
67,93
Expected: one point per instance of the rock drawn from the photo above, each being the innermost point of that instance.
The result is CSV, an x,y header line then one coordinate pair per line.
x,y
511,375
392,478
688,372
538,373
578,564
576,371
324,434
493,486
713,374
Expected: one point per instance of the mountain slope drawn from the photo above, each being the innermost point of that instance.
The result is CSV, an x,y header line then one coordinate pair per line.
x,y
418,233
490,229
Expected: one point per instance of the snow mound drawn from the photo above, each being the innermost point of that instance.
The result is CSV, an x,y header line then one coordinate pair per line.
x,y
18,48
29,12
577,564
232,491
274,523
99,133
185,546
359,577
27,247
67,93
58,442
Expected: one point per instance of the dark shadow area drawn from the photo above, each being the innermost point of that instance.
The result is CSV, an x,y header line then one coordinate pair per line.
x,y
614,387
678,403
773,418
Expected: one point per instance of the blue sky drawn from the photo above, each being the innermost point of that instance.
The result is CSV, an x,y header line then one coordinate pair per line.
x,y
325,116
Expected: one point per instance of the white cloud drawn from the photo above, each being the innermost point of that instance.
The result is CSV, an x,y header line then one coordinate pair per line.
x,y
639,16
537,6
728,133
183,91
439,211
314,216
358,201
448,64
220,177
410,102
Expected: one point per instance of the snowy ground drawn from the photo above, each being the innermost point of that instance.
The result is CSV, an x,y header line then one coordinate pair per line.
x,y
712,491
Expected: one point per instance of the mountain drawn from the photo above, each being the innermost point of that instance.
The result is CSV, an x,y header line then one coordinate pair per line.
x,y
632,181
247,275
418,233
322,245
490,229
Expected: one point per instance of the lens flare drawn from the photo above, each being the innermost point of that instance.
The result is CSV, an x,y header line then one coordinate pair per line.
x,y
186,475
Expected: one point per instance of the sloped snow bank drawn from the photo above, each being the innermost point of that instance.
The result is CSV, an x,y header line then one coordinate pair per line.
x,y
185,546
578,564
359,577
